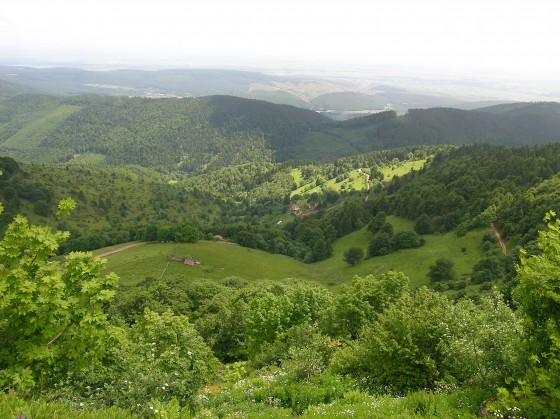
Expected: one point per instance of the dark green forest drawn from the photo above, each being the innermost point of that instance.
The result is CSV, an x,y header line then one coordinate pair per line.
x,y
197,135
82,173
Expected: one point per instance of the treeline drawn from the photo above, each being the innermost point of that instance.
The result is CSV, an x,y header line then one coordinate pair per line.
x,y
180,233
308,238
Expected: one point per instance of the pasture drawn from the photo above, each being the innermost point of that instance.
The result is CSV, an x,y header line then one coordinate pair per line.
x,y
221,259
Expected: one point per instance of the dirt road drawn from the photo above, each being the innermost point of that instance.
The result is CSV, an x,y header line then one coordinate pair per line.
x,y
120,249
499,237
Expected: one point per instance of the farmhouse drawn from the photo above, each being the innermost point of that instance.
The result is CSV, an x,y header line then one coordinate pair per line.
x,y
192,262
186,260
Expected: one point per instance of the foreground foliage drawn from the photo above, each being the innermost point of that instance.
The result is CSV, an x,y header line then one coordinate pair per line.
x,y
51,313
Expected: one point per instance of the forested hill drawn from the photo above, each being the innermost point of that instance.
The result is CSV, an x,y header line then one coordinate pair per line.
x,y
202,134
472,186
8,90
512,125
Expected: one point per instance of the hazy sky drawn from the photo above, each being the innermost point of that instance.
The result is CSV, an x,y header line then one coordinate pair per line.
x,y
489,35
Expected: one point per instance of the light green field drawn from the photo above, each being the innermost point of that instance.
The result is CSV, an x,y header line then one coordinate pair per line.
x,y
33,133
221,260
401,169
296,175
414,263
357,178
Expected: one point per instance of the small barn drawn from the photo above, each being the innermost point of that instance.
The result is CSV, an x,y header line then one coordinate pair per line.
x,y
295,209
192,262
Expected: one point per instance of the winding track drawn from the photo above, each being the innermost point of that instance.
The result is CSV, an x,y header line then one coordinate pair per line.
x,y
120,249
499,237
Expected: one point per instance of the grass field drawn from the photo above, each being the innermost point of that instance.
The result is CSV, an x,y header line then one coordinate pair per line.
x,y
401,169
33,133
221,260
356,178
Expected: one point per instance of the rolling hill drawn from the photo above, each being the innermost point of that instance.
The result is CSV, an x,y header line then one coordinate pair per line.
x,y
197,135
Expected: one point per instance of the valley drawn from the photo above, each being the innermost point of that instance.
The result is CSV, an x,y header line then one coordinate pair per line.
x,y
238,255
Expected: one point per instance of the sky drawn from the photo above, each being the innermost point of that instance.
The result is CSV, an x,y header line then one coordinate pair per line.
x,y
499,37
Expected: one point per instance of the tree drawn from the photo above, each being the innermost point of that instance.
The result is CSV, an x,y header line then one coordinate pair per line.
x,y
423,225
320,250
377,222
442,270
187,233
537,392
51,313
354,255
380,245
361,301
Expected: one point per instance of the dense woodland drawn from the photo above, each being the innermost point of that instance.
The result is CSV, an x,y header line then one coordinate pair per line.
x,y
374,346
197,135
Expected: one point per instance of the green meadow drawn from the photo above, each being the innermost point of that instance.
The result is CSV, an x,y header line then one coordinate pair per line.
x,y
401,169
221,260
33,133
357,178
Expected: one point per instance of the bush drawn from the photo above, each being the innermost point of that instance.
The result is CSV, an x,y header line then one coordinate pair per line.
x,y
407,240
442,270
424,225
354,255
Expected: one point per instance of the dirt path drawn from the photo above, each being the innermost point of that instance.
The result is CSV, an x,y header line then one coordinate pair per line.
x,y
499,237
120,249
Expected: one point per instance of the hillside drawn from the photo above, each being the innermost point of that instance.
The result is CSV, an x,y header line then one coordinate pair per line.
x,y
221,260
113,203
8,90
197,135
529,124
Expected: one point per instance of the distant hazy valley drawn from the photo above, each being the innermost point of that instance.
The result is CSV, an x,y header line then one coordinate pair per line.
x,y
351,93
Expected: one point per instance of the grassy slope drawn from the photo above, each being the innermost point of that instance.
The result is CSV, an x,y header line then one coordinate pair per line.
x,y
413,262
356,179
401,169
221,260
33,133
